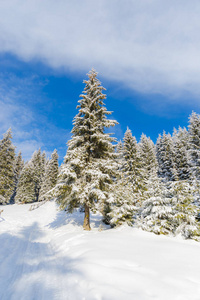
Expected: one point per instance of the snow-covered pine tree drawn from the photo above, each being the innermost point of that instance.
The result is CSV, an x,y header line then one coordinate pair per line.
x,y
38,160
194,143
31,178
185,211
124,203
165,156
130,153
132,164
148,160
25,192
50,176
7,160
156,211
181,158
120,154
18,166
86,174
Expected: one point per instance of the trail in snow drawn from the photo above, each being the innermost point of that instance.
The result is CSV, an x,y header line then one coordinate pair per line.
x,y
46,255
29,266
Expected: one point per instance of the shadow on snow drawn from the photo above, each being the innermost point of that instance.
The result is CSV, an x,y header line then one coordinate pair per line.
x,y
30,269
76,219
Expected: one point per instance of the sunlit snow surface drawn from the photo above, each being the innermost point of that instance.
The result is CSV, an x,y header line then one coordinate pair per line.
x,y
46,255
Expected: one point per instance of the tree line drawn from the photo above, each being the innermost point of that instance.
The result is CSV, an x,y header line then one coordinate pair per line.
x,y
155,187
25,182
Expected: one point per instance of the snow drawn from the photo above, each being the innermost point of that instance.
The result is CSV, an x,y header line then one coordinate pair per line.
x,y
45,255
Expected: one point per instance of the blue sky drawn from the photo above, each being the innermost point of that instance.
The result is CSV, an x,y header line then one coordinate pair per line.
x,y
147,54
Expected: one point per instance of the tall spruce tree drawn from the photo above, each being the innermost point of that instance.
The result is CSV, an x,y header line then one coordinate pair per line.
x,y
7,161
87,171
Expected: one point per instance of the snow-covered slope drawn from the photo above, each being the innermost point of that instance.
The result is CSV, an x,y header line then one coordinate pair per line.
x,y
46,255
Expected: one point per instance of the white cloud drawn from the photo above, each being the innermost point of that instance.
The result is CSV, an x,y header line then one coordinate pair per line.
x,y
149,45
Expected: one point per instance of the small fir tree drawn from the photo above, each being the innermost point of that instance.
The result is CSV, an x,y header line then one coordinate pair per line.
x,y
25,192
7,161
156,211
18,166
148,160
166,157
38,160
194,143
124,203
120,155
180,140
130,154
50,176
132,165
31,178
184,209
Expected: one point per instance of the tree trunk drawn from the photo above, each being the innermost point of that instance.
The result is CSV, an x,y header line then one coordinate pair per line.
x,y
86,223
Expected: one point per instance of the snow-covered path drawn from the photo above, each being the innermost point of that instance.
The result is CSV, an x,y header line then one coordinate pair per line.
x,y
46,255
29,267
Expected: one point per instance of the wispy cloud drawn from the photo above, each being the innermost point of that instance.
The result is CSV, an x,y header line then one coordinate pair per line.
x,y
149,45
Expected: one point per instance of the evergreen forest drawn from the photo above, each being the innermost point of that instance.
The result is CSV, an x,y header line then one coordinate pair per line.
x,y
155,187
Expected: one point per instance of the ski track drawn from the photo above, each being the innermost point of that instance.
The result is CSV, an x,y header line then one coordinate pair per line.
x,y
24,264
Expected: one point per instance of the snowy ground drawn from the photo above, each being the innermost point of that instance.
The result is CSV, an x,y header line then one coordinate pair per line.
x,y
46,255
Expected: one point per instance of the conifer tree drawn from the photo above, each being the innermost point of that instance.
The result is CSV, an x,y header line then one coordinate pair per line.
x,y
18,166
132,167
7,160
194,143
87,171
25,192
31,178
38,160
124,203
181,158
120,155
185,211
130,154
156,211
50,176
166,157
148,160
